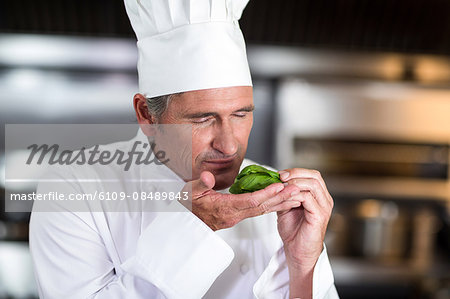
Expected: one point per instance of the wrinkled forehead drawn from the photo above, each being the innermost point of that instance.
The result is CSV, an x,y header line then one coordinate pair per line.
x,y
227,98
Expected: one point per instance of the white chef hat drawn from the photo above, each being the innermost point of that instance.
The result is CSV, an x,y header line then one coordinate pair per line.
x,y
188,45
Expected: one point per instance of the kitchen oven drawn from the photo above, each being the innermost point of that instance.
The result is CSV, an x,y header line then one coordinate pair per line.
x,y
384,150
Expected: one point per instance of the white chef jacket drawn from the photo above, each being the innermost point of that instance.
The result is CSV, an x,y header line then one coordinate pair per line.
x,y
140,254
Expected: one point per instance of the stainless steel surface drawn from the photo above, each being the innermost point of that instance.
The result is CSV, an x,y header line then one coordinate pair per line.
x,y
381,140
120,54
64,52
379,230
406,119
363,109
277,61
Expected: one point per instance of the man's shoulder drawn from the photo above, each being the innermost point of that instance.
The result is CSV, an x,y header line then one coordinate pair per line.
x,y
97,163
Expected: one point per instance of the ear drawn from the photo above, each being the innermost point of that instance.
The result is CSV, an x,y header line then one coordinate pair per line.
x,y
144,118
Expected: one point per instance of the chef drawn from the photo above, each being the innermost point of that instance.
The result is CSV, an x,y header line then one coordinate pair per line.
x,y
192,70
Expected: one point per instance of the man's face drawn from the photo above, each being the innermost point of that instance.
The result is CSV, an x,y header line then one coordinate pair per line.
x,y
221,120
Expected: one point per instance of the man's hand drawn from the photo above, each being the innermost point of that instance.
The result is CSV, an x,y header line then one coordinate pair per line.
x,y
303,229
219,210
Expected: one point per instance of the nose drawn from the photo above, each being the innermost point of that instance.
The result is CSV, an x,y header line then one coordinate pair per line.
x,y
224,140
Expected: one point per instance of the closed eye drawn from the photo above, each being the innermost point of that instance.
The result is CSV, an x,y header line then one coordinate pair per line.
x,y
201,120
241,114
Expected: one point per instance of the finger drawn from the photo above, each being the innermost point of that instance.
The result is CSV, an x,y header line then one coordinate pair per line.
x,y
311,206
202,185
265,206
286,194
316,187
254,199
312,186
290,173
285,206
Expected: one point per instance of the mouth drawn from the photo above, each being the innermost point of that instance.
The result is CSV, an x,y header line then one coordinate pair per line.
x,y
219,163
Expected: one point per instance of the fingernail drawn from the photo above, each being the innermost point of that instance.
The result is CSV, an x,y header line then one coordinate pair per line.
x,y
284,175
296,204
295,192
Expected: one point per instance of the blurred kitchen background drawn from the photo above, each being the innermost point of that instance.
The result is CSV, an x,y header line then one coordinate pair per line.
x,y
358,89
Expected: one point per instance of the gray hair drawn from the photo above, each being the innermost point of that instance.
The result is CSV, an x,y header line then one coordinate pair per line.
x,y
158,105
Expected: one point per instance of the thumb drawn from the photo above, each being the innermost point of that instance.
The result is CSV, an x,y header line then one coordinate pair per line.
x,y
203,184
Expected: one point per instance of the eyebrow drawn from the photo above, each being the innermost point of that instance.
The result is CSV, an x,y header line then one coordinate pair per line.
x,y
248,108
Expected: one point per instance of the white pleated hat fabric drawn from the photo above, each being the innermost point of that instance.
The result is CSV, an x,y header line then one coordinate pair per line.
x,y
187,45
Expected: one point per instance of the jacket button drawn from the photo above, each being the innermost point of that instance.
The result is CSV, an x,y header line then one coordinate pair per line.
x,y
244,268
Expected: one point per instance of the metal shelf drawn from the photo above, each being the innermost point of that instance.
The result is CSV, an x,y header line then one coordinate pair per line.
x,y
410,188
